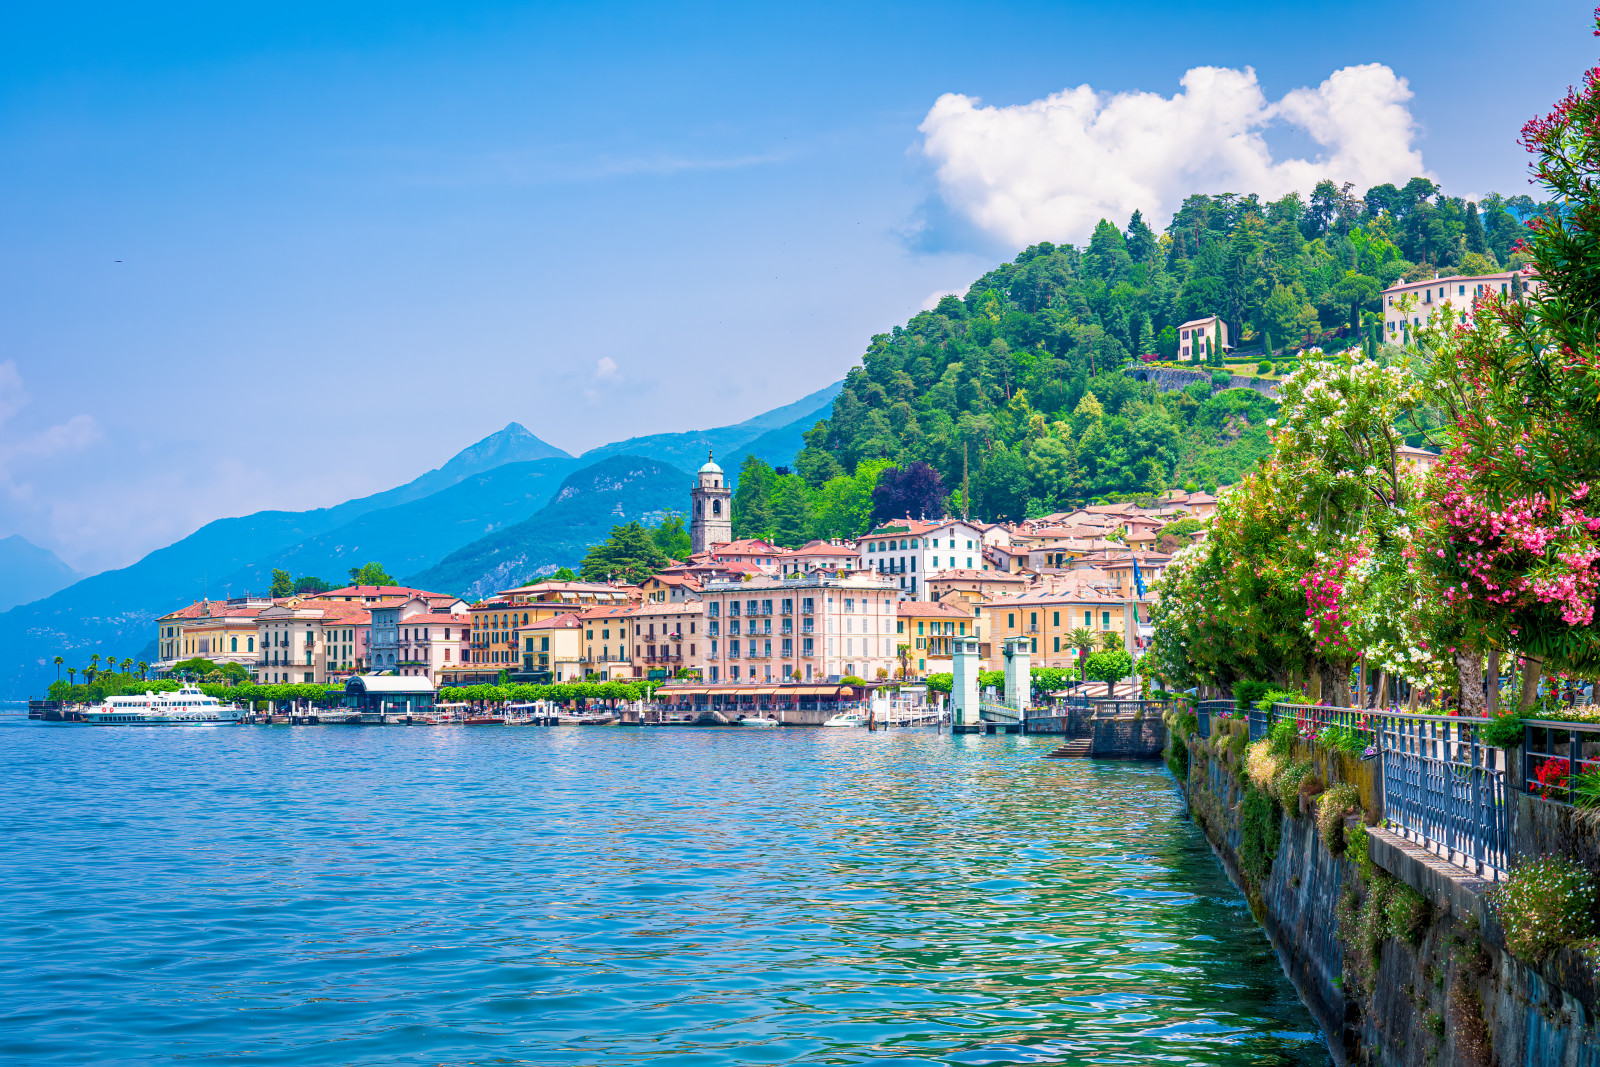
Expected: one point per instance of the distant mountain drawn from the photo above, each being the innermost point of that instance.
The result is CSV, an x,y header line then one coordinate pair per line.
x,y
114,613
419,533
591,500
28,572
687,450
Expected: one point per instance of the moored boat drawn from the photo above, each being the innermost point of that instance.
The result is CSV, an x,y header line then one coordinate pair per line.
x,y
846,718
760,722
187,707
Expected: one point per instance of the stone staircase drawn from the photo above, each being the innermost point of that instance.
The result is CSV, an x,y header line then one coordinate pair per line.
x,y
1076,748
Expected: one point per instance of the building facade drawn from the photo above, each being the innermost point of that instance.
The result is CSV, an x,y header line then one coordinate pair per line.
x,y
908,551
808,628
1197,337
667,638
1409,305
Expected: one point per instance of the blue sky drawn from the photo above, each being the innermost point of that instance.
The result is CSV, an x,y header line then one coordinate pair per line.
x,y
354,238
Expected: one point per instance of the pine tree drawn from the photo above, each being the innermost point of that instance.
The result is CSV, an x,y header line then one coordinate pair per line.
x,y
752,500
791,512
1477,240
629,555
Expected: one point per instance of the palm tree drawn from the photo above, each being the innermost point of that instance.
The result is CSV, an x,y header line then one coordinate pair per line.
x,y
93,668
127,665
59,662
143,667
903,651
72,675
1110,641
1083,640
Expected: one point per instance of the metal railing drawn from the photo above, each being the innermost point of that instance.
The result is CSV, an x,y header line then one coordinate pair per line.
x,y
1442,785
1556,756
1205,709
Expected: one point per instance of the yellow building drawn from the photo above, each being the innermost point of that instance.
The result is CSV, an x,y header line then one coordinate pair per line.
x,y
222,631
929,629
1048,620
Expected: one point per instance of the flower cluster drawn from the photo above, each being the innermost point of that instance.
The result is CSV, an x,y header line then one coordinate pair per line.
x,y
1326,613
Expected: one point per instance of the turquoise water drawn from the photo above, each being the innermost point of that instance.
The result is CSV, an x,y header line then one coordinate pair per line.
x,y
674,897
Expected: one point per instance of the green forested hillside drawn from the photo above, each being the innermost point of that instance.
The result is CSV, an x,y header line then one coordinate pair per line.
x,y
1018,388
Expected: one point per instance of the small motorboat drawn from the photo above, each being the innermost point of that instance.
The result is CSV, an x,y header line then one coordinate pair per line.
x,y
846,718
760,722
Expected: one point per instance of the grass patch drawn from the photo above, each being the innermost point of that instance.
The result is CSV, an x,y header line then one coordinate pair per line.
x,y
1260,833
1332,807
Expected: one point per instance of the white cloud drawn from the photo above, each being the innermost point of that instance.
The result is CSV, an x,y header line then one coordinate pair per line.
x,y
1052,168
606,368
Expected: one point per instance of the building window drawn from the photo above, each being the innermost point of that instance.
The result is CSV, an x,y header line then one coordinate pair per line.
x,y
1105,620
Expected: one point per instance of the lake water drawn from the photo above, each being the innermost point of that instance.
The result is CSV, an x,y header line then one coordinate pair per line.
x,y
673,897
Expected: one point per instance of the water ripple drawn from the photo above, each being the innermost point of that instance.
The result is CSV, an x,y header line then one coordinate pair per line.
x,y
576,896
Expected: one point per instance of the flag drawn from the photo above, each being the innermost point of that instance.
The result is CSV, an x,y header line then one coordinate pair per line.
x,y
1138,579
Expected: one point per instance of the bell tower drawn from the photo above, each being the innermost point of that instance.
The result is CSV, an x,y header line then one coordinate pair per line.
x,y
710,508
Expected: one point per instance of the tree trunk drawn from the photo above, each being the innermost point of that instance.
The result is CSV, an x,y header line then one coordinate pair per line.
x,y
1314,696
1493,677
1531,669
1379,691
1337,684
1469,682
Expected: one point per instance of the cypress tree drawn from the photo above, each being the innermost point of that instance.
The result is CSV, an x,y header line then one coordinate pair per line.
x,y
1477,240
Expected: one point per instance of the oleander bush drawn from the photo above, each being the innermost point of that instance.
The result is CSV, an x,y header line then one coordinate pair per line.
x,y
1546,904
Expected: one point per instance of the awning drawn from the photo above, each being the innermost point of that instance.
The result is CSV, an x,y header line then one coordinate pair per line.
x,y
686,691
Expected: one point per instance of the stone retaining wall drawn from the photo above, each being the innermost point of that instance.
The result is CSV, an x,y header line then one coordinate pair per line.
x,y
1454,995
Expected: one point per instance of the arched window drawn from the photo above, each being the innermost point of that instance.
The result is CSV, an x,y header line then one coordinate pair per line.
x,y
698,507
233,644
716,507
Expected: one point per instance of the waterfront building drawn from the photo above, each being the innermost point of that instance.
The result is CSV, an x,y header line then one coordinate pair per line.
x,y
710,508
494,645
667,638
308,642
606,633
815,626
223,631
1048,618
388,619
432,642
929,630
977,585
751,551
552,650
908,550
670,587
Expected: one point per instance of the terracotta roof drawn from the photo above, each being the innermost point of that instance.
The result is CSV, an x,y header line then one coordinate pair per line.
x,y
436,618
690,608
924,609
963,575
749,546
376,590
608,611
822,548
567,621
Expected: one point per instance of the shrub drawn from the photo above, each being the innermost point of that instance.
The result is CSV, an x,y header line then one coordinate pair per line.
x,y
1287,784
1260,832
1545,904
1261,765
1502,731
1280,739
1586,788
1331,810
1245,694
1177,755
1343,739
1264,367
1407,913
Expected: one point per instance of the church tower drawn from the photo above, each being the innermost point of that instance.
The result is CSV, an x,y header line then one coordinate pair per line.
x,y
711,508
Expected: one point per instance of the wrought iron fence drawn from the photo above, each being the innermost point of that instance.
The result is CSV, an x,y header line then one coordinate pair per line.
x,y
1204,710
1442,785
1559,759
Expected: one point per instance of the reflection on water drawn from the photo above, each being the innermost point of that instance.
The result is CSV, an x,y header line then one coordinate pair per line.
x,y
587,895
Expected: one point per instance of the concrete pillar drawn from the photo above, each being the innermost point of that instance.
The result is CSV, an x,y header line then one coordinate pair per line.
x,y
1019,682
964,681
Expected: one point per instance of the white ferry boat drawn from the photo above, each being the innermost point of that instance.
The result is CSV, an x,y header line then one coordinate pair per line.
x,y
186,707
